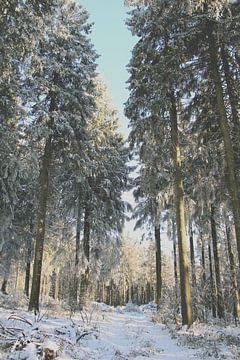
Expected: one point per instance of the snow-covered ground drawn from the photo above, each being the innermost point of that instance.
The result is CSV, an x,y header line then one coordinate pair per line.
x,y
132,336
102,334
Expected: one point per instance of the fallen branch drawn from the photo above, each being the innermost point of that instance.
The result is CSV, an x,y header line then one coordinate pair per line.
x,y
83,334
20,318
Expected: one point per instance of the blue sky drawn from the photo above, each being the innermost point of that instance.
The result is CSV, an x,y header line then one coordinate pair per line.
x,y
113,42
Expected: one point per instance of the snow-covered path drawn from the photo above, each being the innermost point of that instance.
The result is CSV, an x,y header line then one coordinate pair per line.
x,y
131,336
105,333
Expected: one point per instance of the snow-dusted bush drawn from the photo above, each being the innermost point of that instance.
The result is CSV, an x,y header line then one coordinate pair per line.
x,y
148,307
13,301
100,306
130,307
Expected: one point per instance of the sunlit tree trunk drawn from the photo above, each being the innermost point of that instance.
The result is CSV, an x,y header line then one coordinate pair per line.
x,y
175,254
186,306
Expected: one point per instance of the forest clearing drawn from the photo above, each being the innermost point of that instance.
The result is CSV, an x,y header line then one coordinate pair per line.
x,y
119,179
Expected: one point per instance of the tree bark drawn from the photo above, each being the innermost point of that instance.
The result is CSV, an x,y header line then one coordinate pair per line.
x,y
4,286
77,252
40,232
225,131
220,302
86,250
158,265
186,306
233,275
28,270
203,260
175,254
212,283
192,256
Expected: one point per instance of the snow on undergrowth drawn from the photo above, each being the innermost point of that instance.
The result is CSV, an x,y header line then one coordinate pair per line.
x,y
103,332
24,336
214,340
11,301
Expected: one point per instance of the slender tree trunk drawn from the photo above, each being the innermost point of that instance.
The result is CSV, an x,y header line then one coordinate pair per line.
x,y
180,217
175,254
111,295
130,287
124,292
103,292
28,270
86,250
192,255
212,282
86,235
203,260
4,286
176,307
158,264
225,130
40,232
77,252
17,275
233,275
148,292
220,302
6,274
56,293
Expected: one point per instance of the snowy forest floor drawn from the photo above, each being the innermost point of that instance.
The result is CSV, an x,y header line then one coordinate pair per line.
x,y
105,333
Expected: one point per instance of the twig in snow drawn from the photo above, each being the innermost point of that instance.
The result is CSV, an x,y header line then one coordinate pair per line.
x,y
19,318
82,335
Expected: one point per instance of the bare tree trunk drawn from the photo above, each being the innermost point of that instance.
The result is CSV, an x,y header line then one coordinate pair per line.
x,y
77,253
17,275
233,275
175,254
158,264
86,250
186,306
28,270
192,255
103,292
4,286
40,232
56,293
203,260
6,274
148,292
220,302
212,283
